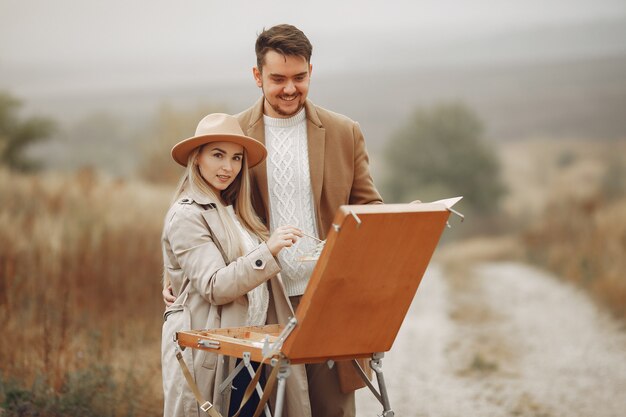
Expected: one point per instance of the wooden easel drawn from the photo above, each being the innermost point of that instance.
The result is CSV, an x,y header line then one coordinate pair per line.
x,y
357,297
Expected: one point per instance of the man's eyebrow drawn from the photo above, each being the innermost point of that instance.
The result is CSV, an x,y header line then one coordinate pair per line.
x,y
272,74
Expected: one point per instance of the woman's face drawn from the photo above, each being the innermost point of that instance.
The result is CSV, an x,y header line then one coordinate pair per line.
x,y
220,163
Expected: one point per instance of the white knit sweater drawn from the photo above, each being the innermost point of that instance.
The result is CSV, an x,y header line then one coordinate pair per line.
x,y
258,298
291,197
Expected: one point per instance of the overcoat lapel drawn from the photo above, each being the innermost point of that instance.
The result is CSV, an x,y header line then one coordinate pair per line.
x,y
316,140
257,130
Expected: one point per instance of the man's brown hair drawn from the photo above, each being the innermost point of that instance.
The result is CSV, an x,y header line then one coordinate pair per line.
x,y
287,40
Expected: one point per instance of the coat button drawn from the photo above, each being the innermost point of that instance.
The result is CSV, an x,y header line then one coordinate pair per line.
x,y
185,200
259,263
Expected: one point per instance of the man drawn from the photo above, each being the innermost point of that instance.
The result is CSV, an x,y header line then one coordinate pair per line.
x,y
316,162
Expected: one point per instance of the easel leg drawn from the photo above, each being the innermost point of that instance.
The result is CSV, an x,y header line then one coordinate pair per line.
x,y
283,373
259,390
377,366
225,387
381,394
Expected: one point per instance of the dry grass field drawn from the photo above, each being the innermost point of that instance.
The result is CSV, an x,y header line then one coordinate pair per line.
x,y
80,268
568,202
566,211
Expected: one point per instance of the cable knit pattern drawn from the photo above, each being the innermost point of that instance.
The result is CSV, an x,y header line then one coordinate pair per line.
x,y
259,297
291,197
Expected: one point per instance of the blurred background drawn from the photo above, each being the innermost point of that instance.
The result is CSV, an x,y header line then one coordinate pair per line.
x,y
518,106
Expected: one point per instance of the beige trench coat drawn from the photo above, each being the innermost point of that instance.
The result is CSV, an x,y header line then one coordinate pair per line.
x,y
211,294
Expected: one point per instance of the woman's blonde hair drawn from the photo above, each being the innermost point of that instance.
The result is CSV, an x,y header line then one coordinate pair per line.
x,y
237,194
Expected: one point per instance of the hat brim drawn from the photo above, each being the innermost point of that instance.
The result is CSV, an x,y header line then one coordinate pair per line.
x,y
255,151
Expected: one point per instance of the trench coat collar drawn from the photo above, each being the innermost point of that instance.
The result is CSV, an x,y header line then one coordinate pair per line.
x,y
198,197
316,143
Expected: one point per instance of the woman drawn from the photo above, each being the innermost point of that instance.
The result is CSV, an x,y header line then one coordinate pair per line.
x,y
220,264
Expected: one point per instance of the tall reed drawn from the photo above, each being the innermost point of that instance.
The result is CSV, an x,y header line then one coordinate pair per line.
x,y
80,268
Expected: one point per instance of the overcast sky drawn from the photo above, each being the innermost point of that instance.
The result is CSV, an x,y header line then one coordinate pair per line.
x,y
43,41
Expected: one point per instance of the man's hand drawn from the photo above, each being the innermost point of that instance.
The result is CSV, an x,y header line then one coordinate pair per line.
x,y
168,296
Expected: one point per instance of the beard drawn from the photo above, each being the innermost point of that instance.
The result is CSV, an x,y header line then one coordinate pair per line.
x,y
278,110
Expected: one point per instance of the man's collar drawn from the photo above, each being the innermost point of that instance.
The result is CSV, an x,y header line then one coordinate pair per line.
x,y
311,113
309,108
257,111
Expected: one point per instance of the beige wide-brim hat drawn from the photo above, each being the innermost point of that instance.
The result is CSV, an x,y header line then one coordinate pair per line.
x,y
219,127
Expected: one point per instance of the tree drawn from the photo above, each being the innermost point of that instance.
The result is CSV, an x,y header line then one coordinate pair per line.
x,y
17,135
440,152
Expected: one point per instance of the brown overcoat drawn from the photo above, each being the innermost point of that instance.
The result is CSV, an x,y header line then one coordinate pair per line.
x,y
211,294
339,168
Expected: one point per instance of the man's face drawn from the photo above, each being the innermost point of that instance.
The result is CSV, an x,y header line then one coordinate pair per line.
x,y
285,83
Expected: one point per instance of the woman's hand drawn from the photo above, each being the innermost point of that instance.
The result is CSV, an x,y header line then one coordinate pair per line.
x,y
168,296
283,237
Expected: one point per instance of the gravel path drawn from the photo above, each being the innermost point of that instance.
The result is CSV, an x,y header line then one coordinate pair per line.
x,y
503,340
